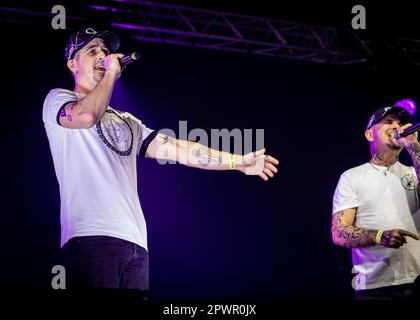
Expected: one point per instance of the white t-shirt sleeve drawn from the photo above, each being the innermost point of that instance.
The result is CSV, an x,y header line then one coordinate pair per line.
x,y
146,135
345,195
54,102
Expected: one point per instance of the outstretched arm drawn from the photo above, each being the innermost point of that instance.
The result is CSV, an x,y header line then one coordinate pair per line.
x,y
345,234
196,155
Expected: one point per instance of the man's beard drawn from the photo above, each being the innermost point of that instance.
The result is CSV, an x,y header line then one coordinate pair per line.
x,y
98,76
393,147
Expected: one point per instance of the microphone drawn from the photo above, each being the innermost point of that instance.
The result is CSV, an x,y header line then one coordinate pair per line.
x,y
129,59
407,131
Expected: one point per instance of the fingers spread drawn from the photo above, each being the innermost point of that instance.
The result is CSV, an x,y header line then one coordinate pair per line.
x,y
271,167
263,176
268,173
272,160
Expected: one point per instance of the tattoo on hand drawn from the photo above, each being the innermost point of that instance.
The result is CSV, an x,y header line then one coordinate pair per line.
x,y
386,239
204,156
351,236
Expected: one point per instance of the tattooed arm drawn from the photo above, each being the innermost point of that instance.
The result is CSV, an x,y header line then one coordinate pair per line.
x,y
345,234
196,155
189,153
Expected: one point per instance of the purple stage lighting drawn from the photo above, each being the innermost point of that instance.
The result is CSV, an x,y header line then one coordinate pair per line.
x,y
408,105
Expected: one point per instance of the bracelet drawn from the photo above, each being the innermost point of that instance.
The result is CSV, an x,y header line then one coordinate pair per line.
x,y
232,162
379,236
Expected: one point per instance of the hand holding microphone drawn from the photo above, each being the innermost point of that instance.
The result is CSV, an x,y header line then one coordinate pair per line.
x,y
117,62
407,134
112,65
407,130
127,59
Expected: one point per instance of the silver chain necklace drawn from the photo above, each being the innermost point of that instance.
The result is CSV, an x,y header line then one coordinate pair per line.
x,y
384,172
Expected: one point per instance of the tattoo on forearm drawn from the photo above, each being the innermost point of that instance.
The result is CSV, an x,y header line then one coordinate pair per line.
x,y
351,236
168,139
204,156
165,141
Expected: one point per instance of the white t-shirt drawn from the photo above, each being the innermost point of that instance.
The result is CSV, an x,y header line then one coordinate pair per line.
x,y
383,202
96,171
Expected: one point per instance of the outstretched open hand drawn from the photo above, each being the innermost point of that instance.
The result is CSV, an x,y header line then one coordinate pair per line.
x,y
259,164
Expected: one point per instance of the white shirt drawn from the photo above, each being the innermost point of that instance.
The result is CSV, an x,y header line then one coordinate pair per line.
x,y
383,202
96,171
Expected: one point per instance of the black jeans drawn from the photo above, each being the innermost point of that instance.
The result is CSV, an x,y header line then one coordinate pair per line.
x,y
400,292
106,262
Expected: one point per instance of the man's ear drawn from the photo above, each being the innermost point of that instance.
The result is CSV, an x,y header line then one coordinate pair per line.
x,y
71,64
369,135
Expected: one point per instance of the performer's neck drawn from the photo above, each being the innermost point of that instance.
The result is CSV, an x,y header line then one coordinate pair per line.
x,y
386,159
81,88
83,85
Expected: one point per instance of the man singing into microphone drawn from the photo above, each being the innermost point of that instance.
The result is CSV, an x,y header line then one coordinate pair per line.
x,y
376,211
94,149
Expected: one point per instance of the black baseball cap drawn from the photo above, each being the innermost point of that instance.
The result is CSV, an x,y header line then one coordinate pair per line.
x,y
379,114
82,37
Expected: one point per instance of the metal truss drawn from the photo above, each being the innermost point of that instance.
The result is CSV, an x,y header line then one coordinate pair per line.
x,y
179,25
400,50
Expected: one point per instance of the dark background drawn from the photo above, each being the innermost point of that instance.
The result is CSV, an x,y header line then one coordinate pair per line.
x,y
212,235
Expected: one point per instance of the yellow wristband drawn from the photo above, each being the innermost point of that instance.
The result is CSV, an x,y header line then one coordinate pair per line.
x,y
379,236
232,162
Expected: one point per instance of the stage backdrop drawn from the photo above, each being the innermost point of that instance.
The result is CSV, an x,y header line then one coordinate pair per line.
x,y
211,234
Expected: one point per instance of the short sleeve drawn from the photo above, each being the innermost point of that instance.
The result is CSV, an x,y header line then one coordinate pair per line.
x,y
55,101
345,195
145,136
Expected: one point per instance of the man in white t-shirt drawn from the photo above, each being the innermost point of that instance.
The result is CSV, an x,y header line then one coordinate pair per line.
x,y
94,148
376,211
